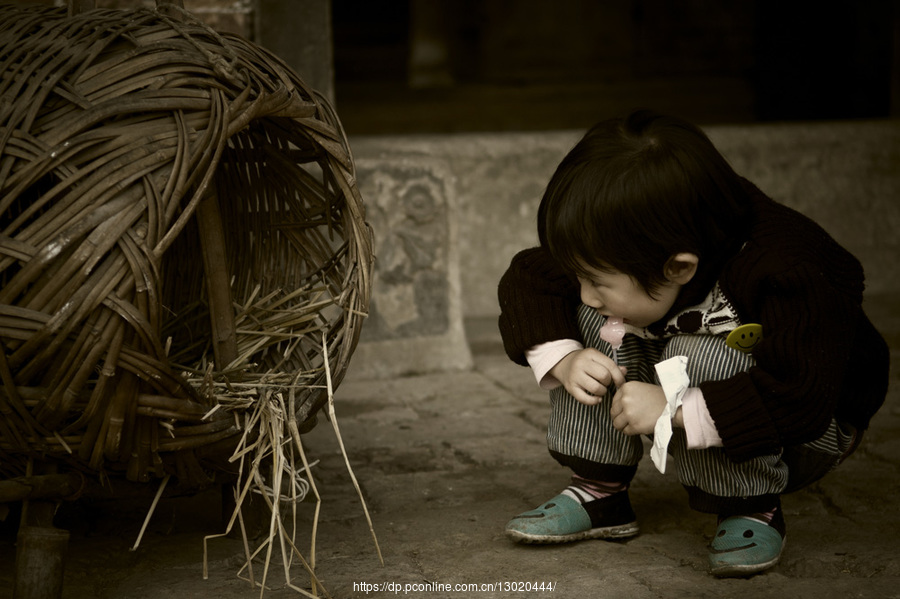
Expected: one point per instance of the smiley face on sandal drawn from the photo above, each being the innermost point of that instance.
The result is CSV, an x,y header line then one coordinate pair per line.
x,y
745,337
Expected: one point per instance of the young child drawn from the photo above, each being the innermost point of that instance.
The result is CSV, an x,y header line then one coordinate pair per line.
x,y
755,306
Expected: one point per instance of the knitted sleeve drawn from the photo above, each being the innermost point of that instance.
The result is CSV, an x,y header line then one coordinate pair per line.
x,y
538,303
807,297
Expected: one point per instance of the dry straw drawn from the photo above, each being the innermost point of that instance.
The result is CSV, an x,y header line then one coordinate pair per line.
x,y
272,439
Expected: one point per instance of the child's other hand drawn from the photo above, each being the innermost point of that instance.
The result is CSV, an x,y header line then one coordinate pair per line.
x,y
587,374
636,407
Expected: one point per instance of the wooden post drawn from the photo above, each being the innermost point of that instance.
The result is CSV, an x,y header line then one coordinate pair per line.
x,y
40,561
40,546
218,279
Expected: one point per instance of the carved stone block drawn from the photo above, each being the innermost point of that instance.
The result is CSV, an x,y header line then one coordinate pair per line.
x,y
415,314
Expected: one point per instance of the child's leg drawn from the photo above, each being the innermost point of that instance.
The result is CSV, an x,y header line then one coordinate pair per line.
x,y
811,461
583,437
604,461
745,495
716,484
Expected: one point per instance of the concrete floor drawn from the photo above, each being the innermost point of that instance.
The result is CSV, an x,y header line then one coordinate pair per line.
x,y
444,460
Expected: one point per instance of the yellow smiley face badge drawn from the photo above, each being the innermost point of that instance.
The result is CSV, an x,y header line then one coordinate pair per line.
x,y
745,337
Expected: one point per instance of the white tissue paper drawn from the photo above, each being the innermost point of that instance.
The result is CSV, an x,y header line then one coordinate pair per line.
x,y
674,380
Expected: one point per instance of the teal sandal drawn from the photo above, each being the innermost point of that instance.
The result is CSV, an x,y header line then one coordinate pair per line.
x,y
563,520
744,546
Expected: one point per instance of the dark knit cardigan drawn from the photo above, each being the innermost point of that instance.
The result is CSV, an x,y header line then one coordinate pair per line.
x,y
820,356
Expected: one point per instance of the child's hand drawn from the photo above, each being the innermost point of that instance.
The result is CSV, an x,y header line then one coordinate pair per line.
x,y
636,407
587,374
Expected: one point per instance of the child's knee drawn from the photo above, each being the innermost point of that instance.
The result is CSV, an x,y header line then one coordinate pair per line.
x,y
708,358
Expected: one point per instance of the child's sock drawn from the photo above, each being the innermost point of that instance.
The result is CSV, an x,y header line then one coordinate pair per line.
x,y
606,503
764,517
773,517
584,490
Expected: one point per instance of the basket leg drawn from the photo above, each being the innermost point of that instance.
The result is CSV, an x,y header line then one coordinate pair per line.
x,y
40,561
40,548
215,264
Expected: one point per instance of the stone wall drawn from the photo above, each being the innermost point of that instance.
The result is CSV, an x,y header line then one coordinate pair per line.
x,y
844,175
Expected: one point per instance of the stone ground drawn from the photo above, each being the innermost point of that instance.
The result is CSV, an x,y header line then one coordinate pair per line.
x,y
444,460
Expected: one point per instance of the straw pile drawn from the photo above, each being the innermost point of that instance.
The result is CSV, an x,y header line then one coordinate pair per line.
x,y
180,229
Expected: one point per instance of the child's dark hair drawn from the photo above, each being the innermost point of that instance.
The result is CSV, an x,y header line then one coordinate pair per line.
x,y
638,190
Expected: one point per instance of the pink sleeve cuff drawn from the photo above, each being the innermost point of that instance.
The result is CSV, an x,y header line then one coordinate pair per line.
x,y
699,427
545,356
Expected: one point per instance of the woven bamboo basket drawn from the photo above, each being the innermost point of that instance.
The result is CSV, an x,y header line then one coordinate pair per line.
x,y
180,234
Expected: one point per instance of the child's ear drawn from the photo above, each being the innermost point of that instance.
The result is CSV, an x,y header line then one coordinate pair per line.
x,y
681,268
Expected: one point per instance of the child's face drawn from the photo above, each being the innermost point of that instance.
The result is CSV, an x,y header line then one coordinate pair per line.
x,y
617,294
